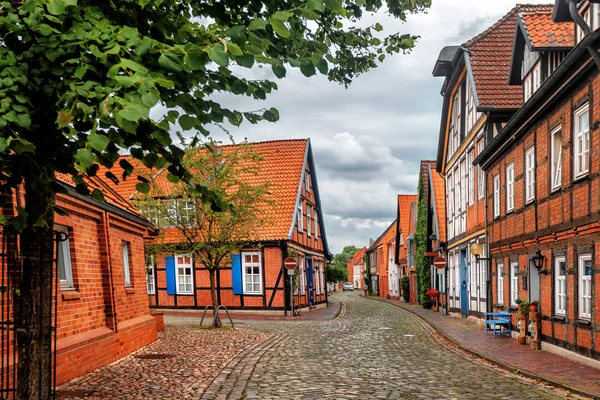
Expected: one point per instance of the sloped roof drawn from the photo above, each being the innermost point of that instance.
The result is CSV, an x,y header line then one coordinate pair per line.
x,y
490,55
438,189
542,32
358,256
110,195
281,165
385,237
404,201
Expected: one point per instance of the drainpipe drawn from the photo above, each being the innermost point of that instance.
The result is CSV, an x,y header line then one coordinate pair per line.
x,y
584,26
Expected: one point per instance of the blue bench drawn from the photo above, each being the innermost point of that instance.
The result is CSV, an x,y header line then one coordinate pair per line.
x,y
494,321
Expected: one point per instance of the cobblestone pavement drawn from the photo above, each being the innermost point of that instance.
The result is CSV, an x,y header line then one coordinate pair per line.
x,y
194,358
372,350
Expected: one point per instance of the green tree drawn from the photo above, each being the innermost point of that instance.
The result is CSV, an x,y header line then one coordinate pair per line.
x,y
421,262
78,79
337,270
207,232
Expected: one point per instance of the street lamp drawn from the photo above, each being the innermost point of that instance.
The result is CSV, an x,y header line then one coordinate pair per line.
x,y
477,251
537,259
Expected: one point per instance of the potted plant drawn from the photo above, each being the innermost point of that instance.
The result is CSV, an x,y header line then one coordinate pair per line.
x,y
523,309
434,296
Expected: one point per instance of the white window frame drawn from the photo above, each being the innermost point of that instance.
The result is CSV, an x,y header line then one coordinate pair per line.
x,y
497,196
317,278
510,188
126,266
530,174
527,87
585,287
500,276
556,165
482,277
473,270
307,181
308,220
560,286
481,176
582,143
299,219
187,212
188,279
63,257
470,159
302,277
256,276
316,223
514,283
537,77
150,275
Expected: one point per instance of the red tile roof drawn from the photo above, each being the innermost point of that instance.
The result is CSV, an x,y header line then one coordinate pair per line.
x,y
360,254
543,32
439,197
490,57
281,165
110,195
404,202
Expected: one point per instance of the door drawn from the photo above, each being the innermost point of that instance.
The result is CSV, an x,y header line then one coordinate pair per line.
x,y
534,284
464,284
310,281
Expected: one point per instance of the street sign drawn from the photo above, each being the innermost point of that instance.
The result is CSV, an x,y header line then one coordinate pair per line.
x,y
439,262
290,263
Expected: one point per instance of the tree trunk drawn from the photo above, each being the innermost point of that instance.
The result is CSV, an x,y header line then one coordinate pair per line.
x,y
213,294
34,337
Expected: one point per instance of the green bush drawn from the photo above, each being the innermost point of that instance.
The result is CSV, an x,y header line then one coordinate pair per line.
x,y
405,285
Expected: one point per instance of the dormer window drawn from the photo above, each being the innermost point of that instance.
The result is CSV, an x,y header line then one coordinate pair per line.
x,y
586,14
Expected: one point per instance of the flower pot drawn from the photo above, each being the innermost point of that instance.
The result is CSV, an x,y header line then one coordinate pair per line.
x,y
521,339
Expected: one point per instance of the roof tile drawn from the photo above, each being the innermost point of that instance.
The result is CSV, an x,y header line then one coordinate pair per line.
x,y
543,32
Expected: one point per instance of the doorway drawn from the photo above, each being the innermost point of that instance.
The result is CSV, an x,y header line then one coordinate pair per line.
x,y
464,283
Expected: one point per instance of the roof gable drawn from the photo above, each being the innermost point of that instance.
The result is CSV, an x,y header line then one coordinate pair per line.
x,y
404,206
438,194
282,165
385,237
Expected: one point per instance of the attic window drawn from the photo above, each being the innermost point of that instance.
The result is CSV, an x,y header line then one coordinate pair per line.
x,y
300,225
307,181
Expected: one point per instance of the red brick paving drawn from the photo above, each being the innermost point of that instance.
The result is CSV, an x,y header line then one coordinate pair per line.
x,y
505,352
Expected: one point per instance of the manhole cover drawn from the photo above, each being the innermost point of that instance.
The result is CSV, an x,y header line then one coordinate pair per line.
x,y
77,394
154,356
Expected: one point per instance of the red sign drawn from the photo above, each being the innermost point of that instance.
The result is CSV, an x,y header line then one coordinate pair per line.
x,y
439,262
290,263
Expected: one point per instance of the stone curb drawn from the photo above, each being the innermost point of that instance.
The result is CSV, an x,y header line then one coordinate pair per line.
x,y
507,367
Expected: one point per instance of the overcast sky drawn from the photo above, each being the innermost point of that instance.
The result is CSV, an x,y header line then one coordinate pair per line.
x,y
368,140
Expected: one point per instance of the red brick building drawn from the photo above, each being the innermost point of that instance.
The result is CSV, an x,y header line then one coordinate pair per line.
x,y
356,269
256,278
406,203
381,260
102,304
543,185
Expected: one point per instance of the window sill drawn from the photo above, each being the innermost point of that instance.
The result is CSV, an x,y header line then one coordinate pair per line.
x,y
499,306
70,294
529,202
129,290
512,210
581,177
513,308
559,318
555,189
584,322
185,294
253,294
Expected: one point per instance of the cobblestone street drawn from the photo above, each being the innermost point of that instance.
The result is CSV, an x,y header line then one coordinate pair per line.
x,y
371,350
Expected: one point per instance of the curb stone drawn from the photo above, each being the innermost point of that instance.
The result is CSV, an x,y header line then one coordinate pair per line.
x,y
507,367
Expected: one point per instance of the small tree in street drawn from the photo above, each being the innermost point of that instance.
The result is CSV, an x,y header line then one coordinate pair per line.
x,y
190,221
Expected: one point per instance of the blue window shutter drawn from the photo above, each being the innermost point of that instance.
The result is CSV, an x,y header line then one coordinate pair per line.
x,y
236,274
170,266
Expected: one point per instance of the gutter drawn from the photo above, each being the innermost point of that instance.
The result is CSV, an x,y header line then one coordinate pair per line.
x,y
501,141
583,25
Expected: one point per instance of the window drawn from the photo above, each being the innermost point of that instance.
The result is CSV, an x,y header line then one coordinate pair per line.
x,y
481,177
184,274
470,159
473,268
514,283
527,87
300,224
317,278
307,181
150,279
456,202
500,272
582,141
585,286
251,265
537,77
316,222
126,264
510,188
187,212
483,278
471,112
455,123
450,194
560,282
496,196
556,167
530,174
63,256
308,220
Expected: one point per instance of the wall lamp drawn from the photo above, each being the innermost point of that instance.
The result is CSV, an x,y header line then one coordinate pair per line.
x,y
477,251
537,259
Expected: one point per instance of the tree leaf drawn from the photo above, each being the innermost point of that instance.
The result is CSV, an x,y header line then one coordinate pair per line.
x,y
333,5
64,118
186,122
246,60
85,157
271,115
378,27
322,66
279,70
258,24
280,28
170,61
98,195
281,15
217,54
3,144
112,177
56,7
142,187
126,81
307,68
20,146
98,142
236,31
315,5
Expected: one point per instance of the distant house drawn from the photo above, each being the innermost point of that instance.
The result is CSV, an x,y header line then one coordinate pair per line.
x,y
101,303
380,256
356,269
436,234
255,278
406,205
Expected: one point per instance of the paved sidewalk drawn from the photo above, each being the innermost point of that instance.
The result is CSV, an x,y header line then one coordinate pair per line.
x,y
506,353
